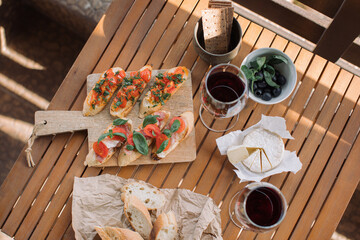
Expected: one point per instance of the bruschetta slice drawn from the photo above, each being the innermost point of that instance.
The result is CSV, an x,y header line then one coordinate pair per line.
x,y
103,90
150,128
130,92
166,84
113,137
174,133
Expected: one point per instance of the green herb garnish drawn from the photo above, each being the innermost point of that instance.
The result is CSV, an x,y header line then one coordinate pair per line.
x,y
129,147
175,126
140,143
150,119
162,146
120,121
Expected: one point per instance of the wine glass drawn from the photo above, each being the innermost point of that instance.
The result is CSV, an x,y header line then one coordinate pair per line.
x,y
224,93
258,207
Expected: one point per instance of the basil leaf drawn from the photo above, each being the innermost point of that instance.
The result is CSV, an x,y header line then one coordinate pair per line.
x,y
167,132
162,146
150,119
277,59
255,65
175,126
130,147
140,143
252,86
102,136
269,80
111,133
153,133
121,135
119,121
260,62
248,73
270,69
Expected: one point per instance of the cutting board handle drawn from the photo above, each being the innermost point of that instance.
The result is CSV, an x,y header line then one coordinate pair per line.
x,y
52,122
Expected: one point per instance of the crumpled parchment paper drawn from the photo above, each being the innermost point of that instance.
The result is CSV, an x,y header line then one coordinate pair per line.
x,y
290,162
97,202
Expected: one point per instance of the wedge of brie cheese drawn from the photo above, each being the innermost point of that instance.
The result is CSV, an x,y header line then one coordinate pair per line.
x,y
239,153
269,153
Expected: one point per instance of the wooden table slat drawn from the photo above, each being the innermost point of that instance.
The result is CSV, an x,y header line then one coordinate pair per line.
x,y
335,161
341,192
319,160
35,183
60,198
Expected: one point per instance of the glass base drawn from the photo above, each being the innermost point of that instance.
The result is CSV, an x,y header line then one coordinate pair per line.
x,y
232,210
208,121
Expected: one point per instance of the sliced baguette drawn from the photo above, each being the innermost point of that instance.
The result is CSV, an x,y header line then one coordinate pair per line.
x,y
125,156
114,233
88,109
137,214
149,105
165,227
176,138
92,159
123,112
151,197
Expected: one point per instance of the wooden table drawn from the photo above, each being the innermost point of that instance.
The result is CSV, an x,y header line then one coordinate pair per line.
x,y
323,116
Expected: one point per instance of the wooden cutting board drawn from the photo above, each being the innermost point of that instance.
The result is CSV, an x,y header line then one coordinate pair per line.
x,y
68,121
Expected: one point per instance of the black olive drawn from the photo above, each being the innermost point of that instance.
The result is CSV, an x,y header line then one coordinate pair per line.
x,y
258,92
259,75
276,92
274,78
266,96
281,80
261,84
267,89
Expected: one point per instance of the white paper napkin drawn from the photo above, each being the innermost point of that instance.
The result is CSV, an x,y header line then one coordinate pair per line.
x,y
290,162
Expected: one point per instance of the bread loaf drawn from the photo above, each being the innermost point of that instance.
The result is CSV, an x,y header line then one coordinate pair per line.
x,y
114,233
137,214
165,227
151,197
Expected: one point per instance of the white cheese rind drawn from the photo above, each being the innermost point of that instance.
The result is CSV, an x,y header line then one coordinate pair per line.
x,y
270,142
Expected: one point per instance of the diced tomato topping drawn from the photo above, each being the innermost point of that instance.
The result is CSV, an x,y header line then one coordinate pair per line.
x,y
109,73
179,70
182,124
154,93
145,75
134,74
170,87
131,91
160,139
100,149
150,129
120,129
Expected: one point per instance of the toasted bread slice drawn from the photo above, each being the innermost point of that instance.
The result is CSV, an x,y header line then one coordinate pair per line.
x,y
165,227
130,92
137,214
112,144
103,90
152,197
176,138
127,156
150,103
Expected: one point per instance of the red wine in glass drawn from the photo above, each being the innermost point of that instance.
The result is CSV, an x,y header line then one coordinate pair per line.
x,y
264,206
224,92
258,207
